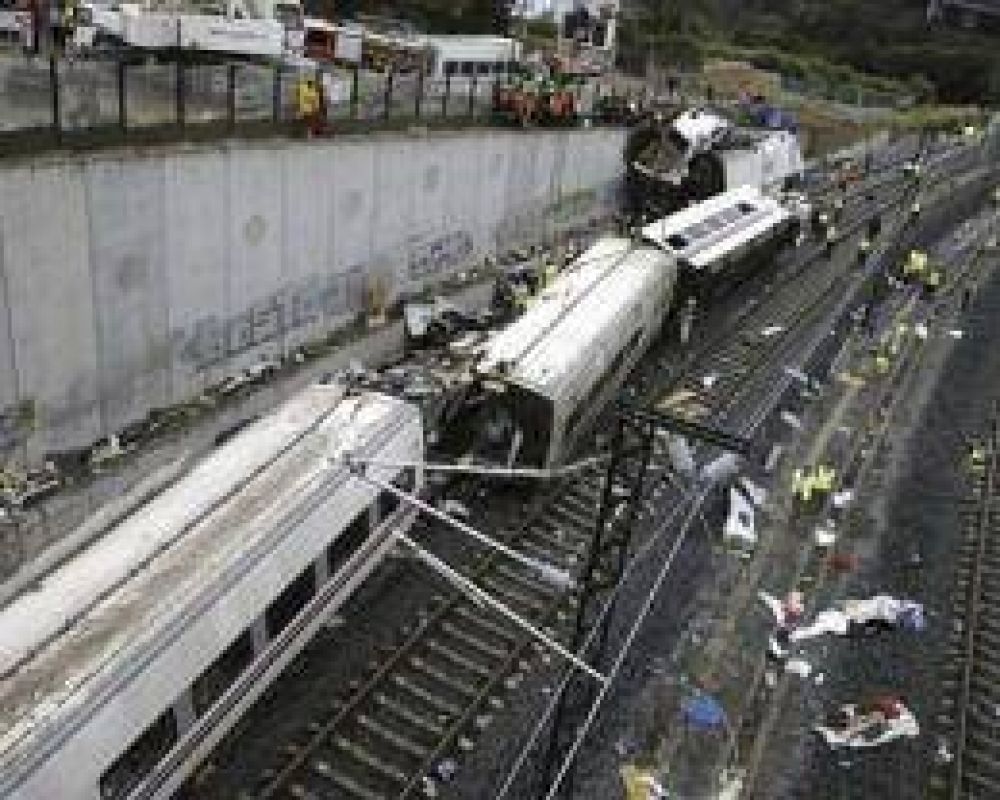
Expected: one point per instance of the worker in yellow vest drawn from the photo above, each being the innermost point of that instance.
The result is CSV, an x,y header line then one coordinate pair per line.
x,y
307,101
915,266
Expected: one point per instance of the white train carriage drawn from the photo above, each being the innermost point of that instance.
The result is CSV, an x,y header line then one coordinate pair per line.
x,y
549,373
723,237
125,665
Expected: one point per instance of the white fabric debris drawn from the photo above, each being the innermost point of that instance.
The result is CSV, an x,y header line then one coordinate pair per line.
x,y
873,729
739,527
920,329
709,381
791,420
721,469
955,333
799,667
843,498
681,456
825,537
881,609
772,330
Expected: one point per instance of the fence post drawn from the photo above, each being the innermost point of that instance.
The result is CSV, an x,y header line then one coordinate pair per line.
x,y
355,90
276,96
420,93
472,96
54,89
179,89
388,94
231,96
122,104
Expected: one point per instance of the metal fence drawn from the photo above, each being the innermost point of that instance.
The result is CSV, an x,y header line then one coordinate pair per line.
x,y
54,100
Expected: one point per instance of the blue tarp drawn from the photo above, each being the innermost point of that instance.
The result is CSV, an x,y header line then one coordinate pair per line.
x,y
705,712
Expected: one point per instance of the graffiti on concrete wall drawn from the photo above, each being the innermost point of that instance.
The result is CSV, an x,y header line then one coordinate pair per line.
x,y
317,300
430,257
16,423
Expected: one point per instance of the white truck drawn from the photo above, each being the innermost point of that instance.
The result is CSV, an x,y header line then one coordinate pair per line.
x,y
254,29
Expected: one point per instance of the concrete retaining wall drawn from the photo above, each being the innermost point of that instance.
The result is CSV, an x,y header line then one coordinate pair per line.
x,y
133,280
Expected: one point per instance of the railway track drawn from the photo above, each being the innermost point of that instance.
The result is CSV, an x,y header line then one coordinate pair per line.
x,y
971,678
433,697
406,724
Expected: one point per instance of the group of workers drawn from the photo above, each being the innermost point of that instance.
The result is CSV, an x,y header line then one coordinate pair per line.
x,y
812,487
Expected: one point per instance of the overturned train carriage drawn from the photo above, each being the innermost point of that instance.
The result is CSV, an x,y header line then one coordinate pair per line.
x,y
548,374
126,663
722,239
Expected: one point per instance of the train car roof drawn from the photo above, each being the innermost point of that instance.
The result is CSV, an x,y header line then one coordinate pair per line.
x,y
746,231
555,302
721,220
89,615
546,354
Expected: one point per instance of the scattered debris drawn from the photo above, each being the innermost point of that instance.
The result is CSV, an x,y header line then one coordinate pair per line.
x,y
857,617
772,330
791,420
641,784
705,712
722,469
844,562
709,381
446,769
843,498
799,667
739,526
825,536
955,333
920,329
681,455
862,726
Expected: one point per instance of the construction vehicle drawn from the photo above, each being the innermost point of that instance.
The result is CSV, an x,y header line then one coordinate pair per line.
x,y
250,29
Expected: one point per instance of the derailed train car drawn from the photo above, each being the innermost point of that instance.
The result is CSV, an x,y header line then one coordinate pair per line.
x,y
548,374
124,665
723,239
545,378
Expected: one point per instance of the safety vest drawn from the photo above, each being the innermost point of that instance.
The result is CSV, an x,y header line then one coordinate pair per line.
x,y
831,235
307,98
933,279
549,273
916,263
881,363
823,481
798,482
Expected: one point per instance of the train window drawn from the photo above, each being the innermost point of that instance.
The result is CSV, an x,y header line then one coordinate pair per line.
x,y
500,67
677,242
290,602
222,673
450,67
468,68
132,766
482,68
746,208
348,542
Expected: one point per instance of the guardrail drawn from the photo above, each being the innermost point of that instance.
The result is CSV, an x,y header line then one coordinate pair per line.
x,y
53,102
